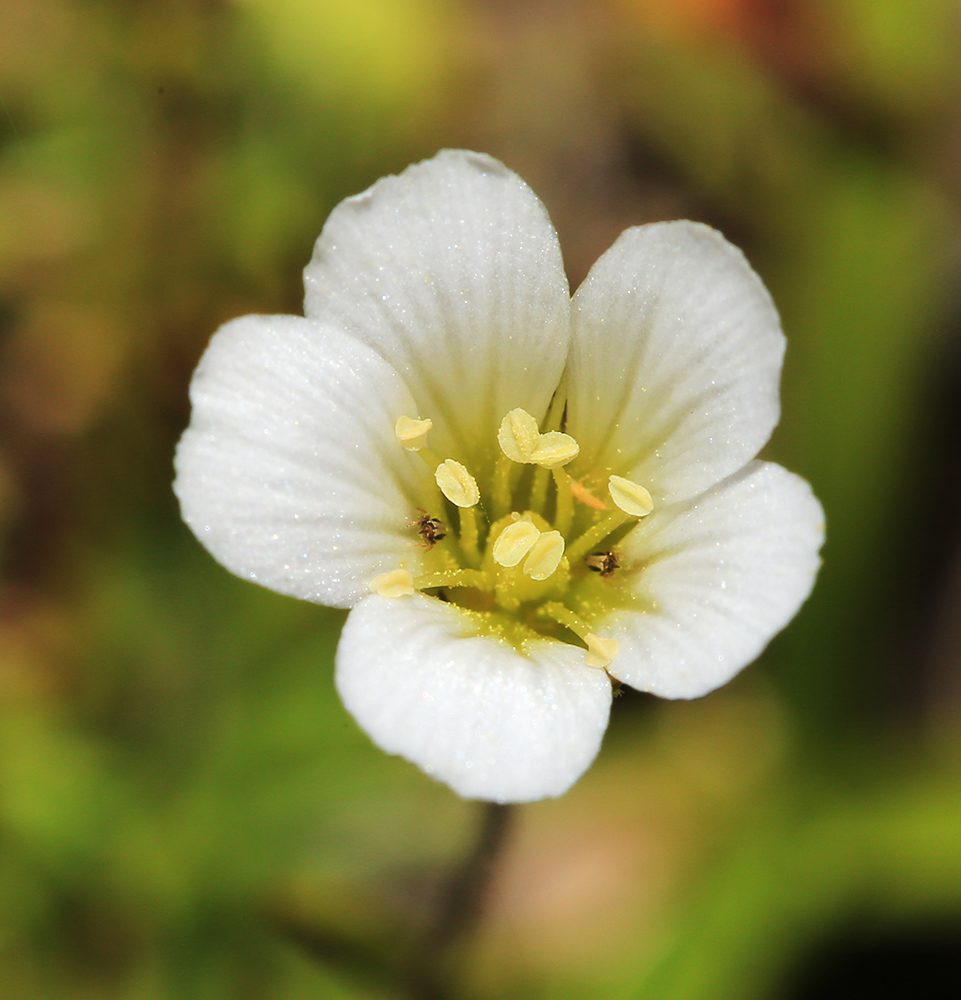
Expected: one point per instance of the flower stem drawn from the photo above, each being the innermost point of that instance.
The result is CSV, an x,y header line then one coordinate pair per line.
x,y
433,966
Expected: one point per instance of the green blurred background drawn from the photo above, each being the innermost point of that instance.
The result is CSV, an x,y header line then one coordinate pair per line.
x,y
186,810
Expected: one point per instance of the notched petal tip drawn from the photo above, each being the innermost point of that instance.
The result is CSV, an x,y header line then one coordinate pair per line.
x,y
489,722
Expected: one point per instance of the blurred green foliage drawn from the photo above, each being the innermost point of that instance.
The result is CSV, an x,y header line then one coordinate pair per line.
x,y
186,810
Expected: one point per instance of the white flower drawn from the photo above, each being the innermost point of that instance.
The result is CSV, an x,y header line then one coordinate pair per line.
x,y
519,494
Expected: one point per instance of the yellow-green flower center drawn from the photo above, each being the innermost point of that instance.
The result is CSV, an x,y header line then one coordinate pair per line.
x,y
533,552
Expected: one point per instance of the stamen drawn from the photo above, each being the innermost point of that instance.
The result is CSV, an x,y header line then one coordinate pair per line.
x,y
518,435
394,583
595,535
453,578
600,651
514,542
564,515
456,483
567,618
412,432
468,534
538,498
554,449
545,555
521,441
501,490
631,497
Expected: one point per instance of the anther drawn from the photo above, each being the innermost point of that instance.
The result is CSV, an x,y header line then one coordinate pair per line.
x,y
630,497
545,555
514,542
600,651
411,432
518,435
521,441
555,449
457,484
395,583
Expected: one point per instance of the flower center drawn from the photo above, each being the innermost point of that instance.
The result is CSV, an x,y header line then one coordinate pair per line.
x,y
532,553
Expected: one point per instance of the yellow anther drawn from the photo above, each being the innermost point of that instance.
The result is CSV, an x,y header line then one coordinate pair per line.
x,y
457,484
521,441
600,651
545,555
554,449
514,542
631,497
412,432
395,583
518,435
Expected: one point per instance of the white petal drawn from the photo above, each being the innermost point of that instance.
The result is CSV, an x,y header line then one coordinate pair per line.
x,y
453,273
470,710
675,360
721,574
290,472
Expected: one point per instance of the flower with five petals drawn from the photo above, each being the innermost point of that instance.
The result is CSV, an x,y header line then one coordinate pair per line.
x,y
520,495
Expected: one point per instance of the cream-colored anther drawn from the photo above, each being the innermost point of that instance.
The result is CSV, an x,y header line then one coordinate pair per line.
x,y
395,583
555,449
545,555
518,435
600,651
521,441
514,542
412,432
457,484
631,497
